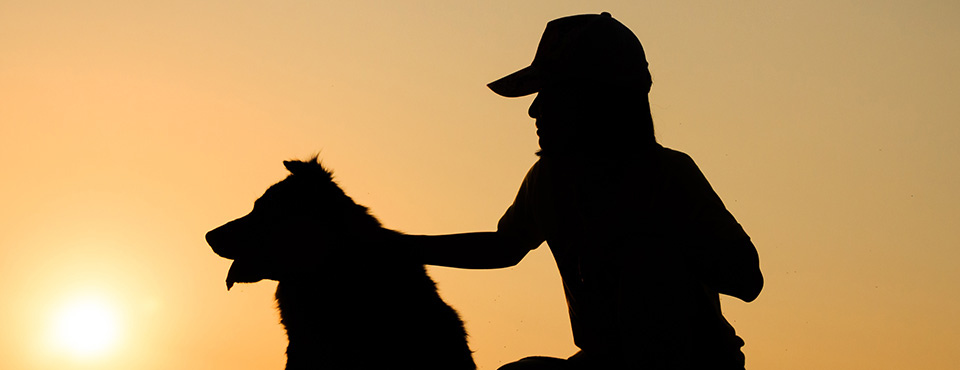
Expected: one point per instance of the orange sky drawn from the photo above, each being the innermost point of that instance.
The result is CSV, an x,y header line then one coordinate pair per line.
x,y
129,129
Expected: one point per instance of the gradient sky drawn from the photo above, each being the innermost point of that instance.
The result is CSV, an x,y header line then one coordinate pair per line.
x,y
129,129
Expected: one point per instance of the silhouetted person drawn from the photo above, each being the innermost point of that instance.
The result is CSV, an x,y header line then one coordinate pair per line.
x,y
643,243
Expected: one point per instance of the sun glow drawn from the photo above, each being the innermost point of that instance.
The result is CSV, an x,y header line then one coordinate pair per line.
x,y
85,327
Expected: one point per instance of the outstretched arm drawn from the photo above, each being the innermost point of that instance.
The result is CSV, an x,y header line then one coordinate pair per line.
x,y
478,250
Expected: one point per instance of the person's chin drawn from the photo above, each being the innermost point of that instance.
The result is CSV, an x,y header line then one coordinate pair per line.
x,y
545,146
553,151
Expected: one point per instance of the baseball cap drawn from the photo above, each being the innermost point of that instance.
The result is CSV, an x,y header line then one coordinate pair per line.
x,y
581,50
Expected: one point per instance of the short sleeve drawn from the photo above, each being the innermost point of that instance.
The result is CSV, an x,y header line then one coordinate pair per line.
x,y
699,205
520,220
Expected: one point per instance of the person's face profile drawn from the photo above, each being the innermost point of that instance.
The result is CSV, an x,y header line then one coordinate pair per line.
x,y
557,111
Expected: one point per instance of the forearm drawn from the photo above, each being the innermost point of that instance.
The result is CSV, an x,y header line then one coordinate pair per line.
x,y
478,250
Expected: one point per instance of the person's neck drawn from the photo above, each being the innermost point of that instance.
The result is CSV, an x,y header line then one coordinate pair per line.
x,y
611,152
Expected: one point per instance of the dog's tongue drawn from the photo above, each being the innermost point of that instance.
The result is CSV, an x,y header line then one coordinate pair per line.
x,y
242,271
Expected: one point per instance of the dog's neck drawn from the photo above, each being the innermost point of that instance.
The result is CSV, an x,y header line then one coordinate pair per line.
x,y
301,314
312,309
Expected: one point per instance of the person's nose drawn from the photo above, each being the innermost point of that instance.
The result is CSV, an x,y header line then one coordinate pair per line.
x,y
534,110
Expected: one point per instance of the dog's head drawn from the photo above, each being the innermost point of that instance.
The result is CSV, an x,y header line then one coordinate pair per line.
x,y
295,224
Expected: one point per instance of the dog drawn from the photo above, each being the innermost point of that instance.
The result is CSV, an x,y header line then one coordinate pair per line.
x,y
349,295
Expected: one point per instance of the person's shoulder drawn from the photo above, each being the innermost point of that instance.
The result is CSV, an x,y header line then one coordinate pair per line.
x,y
535,169
533,174
680,169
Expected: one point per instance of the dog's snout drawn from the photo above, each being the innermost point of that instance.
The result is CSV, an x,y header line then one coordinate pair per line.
x,y
220,241
212,237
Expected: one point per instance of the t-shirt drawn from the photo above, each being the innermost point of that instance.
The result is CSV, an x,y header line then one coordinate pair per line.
x,y
619,231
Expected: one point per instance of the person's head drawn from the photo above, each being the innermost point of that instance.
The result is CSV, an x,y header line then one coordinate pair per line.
x,y
591,79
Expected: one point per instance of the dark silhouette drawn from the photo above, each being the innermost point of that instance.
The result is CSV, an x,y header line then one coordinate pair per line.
x,y
348,297
643,244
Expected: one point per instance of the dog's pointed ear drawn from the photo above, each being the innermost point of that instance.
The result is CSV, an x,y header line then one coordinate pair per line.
x,y
313,167
294,166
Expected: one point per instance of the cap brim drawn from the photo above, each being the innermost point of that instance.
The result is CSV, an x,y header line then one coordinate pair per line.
x,y
520,83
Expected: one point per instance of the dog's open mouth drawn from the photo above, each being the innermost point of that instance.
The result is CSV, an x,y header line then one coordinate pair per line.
x,y
245,271
231,242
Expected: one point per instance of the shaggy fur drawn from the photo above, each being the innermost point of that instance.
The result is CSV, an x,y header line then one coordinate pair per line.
x,y
347,297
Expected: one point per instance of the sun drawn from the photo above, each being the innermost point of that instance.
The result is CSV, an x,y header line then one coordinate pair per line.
x,y
86,327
